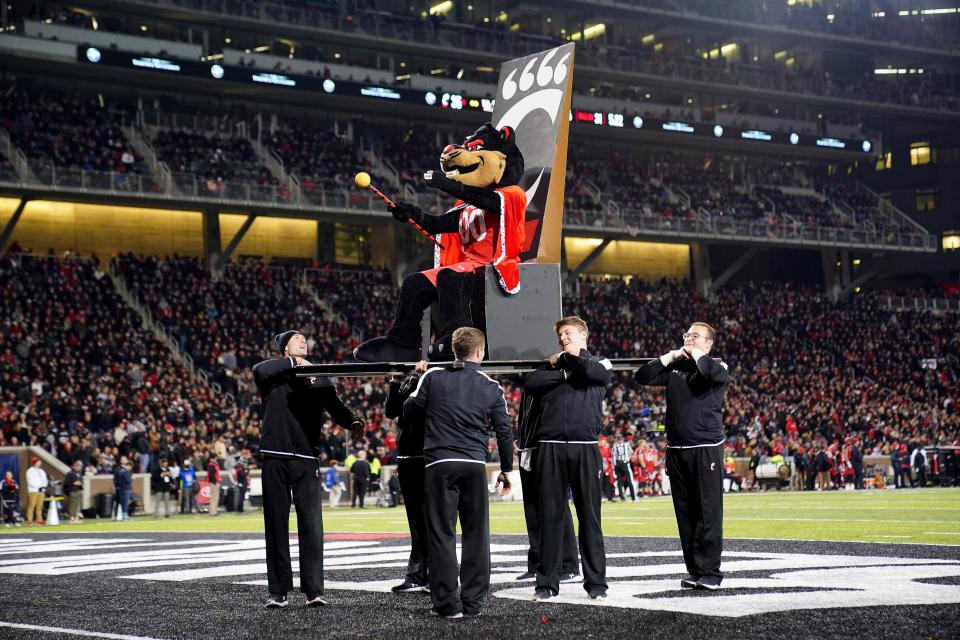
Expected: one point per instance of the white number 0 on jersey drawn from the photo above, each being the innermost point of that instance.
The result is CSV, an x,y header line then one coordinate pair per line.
x,y
473,226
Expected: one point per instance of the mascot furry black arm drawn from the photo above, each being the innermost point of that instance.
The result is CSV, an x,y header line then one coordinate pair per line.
x,y
484,227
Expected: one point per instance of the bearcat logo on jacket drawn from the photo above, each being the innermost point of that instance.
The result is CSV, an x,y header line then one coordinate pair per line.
x,y
533,97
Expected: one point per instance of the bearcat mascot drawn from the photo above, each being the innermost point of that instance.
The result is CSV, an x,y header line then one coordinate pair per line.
x,y
485,227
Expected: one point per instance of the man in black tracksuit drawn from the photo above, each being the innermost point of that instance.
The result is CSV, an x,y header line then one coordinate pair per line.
x,y
570,391
527,423
410,469
459,403
695,384
289,447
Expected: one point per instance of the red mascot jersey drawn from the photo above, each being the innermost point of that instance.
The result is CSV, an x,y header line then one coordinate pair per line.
x,y
488,237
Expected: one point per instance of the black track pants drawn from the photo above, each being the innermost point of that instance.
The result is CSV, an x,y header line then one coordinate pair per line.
x,y
282,477
411,473
696,484
452,489
574,466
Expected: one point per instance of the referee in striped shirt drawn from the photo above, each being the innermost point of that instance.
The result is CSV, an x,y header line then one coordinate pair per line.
x,y
622,452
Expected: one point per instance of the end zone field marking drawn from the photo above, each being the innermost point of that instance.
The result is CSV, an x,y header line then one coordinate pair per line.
x,y
73,632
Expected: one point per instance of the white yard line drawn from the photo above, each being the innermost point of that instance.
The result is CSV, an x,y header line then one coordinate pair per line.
x,y
73,632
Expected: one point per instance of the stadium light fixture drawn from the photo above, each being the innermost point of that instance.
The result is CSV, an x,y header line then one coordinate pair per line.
x,y
593,31
441,8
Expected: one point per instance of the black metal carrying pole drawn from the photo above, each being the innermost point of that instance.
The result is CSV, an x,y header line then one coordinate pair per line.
x,y
493,367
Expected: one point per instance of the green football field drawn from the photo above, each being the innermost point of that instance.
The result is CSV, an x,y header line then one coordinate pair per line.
x,y
907,516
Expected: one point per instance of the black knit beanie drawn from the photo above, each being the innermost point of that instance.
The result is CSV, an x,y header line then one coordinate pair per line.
x,y
281,340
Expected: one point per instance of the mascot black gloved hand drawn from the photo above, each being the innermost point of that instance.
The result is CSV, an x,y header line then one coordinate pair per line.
x,y
484,227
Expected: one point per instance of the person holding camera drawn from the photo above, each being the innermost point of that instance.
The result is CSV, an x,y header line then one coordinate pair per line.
x,y
163,485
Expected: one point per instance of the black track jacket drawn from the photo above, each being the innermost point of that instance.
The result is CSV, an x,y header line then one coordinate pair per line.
x,y
293,409
694,398
570,396
461,403
409,429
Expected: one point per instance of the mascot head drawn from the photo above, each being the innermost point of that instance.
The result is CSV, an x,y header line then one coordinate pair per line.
x,y
489,158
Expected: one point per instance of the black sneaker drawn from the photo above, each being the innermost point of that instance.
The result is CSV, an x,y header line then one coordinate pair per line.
x,y
471,614
529,575
543,593
597,594
567,578
315,600
690,582
277,601
709,582
449,616
407,587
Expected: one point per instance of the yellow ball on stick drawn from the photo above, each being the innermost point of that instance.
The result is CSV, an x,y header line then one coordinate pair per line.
x,y
362,180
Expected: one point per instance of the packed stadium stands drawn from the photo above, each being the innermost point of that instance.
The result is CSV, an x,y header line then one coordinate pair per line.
x,y
67,133
213,160
90,139
808,372
77,362
849,369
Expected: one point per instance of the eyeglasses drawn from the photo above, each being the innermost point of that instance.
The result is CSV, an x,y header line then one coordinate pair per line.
x,y
695,336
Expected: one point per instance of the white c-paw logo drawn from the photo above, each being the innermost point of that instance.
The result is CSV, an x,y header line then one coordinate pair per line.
x,y
546,98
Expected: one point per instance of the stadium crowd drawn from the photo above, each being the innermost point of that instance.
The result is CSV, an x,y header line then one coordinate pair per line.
x,y
211,164
68,134
80,377
608,187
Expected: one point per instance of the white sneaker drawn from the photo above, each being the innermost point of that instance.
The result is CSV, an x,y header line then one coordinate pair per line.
x,y
276,601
